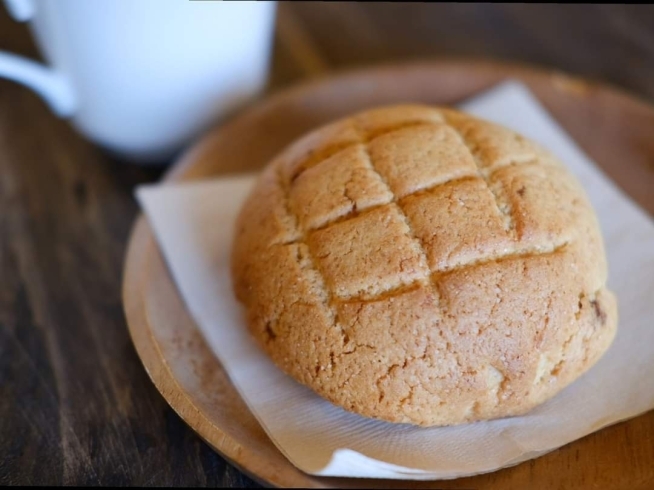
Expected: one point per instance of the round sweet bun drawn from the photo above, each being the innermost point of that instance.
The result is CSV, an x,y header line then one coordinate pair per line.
x,y
418,265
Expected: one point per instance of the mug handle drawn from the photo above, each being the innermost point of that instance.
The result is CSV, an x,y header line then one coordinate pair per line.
x,y
50,85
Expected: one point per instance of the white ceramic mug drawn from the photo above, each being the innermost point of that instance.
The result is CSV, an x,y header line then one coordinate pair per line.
x,y
142,77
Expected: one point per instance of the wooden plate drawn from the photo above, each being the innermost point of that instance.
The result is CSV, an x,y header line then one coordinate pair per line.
x,y
617,131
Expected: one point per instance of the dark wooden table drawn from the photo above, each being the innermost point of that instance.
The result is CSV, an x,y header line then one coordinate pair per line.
x,y
76,406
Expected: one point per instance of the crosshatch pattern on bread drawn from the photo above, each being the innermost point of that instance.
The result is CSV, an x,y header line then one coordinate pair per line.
x,y
416,264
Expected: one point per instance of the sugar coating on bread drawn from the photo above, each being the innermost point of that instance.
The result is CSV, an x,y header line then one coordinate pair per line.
x,y
419,265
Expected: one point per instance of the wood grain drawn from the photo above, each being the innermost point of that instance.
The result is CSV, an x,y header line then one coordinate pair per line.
x,y
192,381
76,406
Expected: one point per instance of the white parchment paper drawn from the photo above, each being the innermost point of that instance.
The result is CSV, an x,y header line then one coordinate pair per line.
x,y
193,224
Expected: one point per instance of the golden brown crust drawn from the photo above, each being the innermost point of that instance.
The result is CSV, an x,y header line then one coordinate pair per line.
x,y
419,265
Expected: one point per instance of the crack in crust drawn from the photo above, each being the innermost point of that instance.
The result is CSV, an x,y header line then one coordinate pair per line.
x,y
301,240
504,209
417,243
314,158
